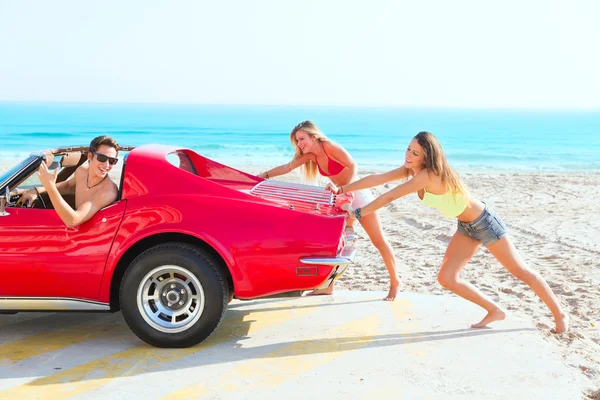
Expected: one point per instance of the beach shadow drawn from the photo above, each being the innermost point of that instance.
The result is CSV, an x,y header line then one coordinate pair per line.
x,y
296,303
341,344
24,324
233,351
36,328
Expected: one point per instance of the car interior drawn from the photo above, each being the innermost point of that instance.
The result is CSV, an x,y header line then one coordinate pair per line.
x,y
67,162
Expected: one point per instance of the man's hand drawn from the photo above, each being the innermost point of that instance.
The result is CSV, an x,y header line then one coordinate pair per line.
x,y
27,198
47,178
332,188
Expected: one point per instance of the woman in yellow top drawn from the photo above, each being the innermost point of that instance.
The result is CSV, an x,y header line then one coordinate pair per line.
x,y
438,186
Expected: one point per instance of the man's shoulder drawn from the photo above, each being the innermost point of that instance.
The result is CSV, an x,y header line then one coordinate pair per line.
x,y
81,171
79,175
113,185
110,190
83,167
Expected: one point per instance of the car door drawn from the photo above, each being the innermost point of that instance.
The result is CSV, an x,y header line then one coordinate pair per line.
x,y
41,257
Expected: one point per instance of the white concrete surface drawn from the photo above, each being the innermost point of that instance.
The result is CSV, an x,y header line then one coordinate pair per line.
x,y
351,345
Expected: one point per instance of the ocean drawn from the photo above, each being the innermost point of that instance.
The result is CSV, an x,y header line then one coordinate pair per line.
x,y
239,136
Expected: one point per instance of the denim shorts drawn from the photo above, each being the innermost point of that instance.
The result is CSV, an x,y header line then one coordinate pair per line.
x,y
487,228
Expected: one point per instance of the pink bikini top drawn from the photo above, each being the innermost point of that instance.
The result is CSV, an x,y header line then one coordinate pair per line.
x,y
333,166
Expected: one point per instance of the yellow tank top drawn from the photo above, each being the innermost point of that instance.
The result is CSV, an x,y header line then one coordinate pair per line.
x,y
449,205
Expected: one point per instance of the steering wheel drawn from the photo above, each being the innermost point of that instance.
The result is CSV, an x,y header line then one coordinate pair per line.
x,y
38,198
12,201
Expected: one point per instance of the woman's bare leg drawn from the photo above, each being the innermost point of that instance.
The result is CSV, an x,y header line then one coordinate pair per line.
x,y
460,251
319,292
506,253
349,226
372,226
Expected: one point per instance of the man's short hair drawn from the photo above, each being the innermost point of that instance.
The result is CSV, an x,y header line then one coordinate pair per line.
x,y
103,140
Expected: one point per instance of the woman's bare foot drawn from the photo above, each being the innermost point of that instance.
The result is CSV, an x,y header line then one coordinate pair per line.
x,y
496,315
322,292
394,288
562,324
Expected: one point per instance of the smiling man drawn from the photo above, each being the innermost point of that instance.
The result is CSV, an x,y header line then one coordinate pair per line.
x,y
92,188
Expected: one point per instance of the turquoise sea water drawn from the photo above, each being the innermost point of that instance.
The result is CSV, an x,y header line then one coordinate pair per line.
x,y
259,135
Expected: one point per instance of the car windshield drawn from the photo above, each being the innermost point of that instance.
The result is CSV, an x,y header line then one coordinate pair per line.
x,y
6,175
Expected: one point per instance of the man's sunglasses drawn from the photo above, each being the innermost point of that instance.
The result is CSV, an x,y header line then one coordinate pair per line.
x,y
103,158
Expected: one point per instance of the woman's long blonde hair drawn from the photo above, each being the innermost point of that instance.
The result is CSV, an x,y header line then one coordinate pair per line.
x,y
436,163
310,168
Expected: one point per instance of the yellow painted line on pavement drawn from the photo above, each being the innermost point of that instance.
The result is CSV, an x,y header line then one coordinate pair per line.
x,y
260,320
289,361
140,359
47,342
405,316
402,309
188,393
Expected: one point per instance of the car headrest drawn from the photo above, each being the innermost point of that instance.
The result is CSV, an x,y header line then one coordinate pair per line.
x,y
71,159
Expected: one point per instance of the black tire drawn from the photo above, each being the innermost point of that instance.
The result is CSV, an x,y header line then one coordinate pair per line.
x,y
159,280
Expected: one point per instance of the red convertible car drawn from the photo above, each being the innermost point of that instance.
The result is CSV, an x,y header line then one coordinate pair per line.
x,y
185,236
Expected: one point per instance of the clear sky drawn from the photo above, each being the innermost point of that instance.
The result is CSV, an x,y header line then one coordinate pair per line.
x,y
418,53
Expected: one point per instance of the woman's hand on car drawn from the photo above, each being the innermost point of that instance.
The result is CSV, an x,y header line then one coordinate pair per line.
x,y
332,188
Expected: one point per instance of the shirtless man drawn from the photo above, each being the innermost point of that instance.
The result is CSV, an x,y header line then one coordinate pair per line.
x,y
92,190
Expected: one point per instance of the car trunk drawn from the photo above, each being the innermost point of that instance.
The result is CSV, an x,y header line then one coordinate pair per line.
x,y
298,197
294,196
313,200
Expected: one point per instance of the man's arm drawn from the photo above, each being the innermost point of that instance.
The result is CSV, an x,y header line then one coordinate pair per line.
x,y
30,195
85,211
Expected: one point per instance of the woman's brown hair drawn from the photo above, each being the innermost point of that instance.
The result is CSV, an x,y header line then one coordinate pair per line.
x,y
436,163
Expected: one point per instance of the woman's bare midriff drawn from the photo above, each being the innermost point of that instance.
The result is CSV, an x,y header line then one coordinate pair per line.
x,y
343,178
473,210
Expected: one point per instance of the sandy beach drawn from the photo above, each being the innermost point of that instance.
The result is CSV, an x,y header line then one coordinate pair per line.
x,y
552,219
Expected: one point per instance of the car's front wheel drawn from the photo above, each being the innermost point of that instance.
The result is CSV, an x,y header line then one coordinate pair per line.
x,y
173,295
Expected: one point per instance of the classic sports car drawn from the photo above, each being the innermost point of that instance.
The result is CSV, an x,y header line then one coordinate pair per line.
x,y
185,236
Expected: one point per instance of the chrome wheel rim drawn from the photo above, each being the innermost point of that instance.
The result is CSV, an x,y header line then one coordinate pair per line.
x,y
170,299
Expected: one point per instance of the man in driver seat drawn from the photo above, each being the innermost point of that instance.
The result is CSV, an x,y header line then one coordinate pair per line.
x,y
90,185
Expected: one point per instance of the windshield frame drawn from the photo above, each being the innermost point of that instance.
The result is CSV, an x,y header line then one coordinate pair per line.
x,y
13,172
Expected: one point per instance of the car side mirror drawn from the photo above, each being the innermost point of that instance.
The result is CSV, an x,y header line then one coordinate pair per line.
x,y
3,202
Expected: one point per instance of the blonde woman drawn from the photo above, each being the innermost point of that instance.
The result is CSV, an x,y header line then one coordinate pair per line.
x,y
438,186
316,153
